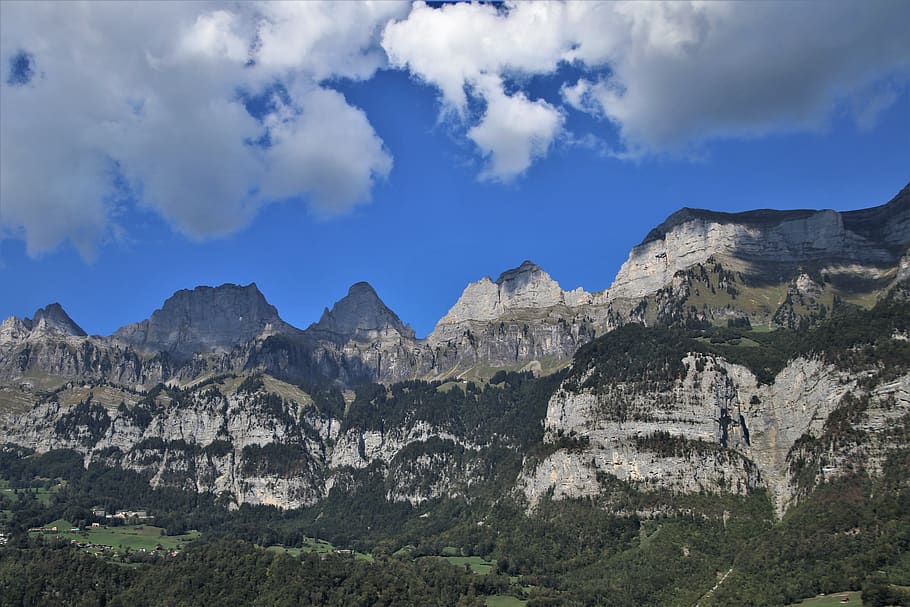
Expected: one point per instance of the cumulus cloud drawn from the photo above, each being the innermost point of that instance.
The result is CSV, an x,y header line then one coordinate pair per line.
x,y
465,50
152,97
693,72
300,161
667,75
157,99
513,130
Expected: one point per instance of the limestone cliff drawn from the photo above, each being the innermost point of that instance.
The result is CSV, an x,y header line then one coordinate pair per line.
x,y
662,411
768,244
707,424
523,316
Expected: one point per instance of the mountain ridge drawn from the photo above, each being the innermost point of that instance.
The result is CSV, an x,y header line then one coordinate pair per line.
x,y
696,267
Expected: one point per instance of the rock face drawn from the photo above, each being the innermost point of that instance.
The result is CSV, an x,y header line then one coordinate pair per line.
x,y
522,288
203,320
54,319
763,242
257,447
50,321
523,316
707,426
359,316
45,350
714,429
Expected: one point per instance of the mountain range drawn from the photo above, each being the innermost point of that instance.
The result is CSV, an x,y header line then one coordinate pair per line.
x,y
214,387
726,424
772,268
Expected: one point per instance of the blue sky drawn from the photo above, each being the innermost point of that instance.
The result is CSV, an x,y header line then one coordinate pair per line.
x,y
417,148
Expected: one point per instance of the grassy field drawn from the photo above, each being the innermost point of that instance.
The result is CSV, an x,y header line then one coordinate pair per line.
x,y
504,601
127,537
476,563
830,600
318,546
42,494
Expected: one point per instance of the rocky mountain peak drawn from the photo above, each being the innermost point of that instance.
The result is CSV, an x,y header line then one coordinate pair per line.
x,y
527,269
51,320
54,319
204,319
359,315
526,287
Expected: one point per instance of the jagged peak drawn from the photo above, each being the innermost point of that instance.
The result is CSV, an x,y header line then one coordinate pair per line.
x,y
526,267
362,288
526,287
224,297
54,318
359,314
205,318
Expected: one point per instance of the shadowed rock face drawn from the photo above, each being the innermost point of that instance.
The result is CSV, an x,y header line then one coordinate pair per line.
x,y
49,322
54,318
361,316
204,319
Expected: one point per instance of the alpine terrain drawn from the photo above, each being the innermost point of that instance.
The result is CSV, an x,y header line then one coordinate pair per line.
x,y
728,423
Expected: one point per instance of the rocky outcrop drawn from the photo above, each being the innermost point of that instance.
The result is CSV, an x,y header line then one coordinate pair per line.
x,y
359,316
257,446
715,429
523,316
50,348
54,319
766,243
526,287
204,320
50,321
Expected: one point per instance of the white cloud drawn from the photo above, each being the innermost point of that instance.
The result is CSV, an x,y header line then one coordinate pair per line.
x,y
667,74
300,161
325,39
453,46
513,131
465,50
694,72
213,36
149,92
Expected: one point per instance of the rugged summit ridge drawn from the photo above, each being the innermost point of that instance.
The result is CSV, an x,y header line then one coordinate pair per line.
x,y
53,318
49,320
527,287
360,315
204,319
766,241
698,268
677,392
